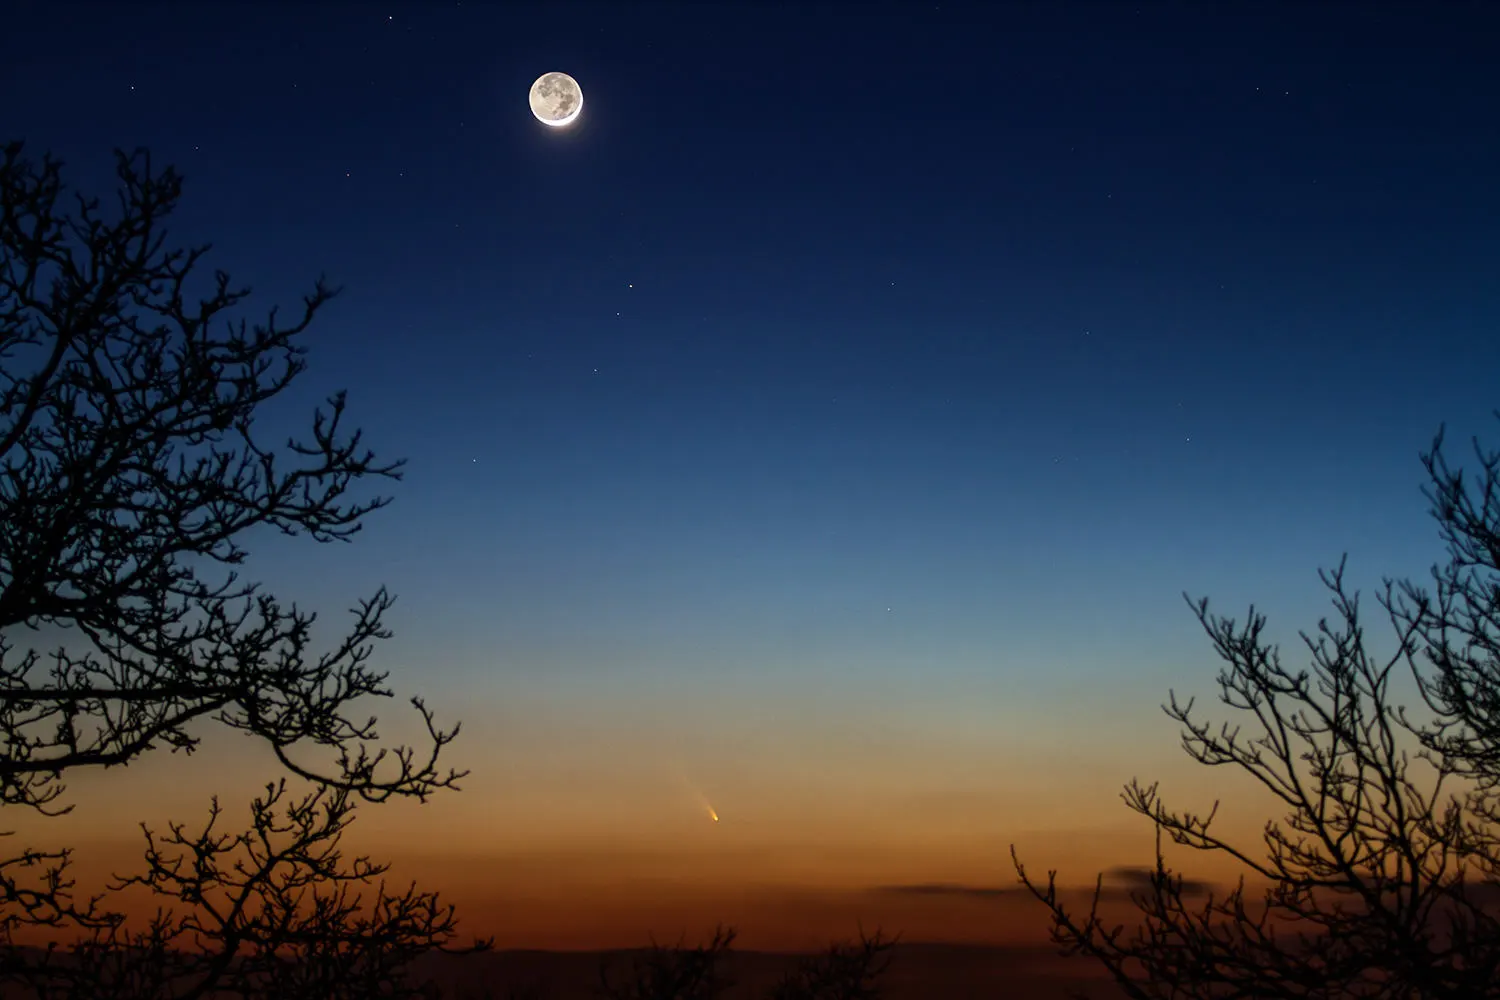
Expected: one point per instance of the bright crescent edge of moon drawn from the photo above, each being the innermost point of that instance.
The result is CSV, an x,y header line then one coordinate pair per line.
x,y
555,122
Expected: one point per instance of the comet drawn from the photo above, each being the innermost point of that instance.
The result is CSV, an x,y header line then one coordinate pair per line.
x,y
713,814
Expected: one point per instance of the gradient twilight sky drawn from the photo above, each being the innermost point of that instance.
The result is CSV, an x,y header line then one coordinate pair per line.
x,y
828,422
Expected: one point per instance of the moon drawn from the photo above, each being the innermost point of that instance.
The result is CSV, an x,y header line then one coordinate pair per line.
x,y
556,99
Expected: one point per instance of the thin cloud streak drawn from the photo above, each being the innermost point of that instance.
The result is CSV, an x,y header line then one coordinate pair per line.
x,y
1120,882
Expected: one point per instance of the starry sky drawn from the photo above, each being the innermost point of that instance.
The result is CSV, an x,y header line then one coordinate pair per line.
x,y
826,425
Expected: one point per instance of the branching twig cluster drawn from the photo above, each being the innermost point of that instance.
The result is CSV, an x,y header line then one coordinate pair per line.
x,y
846,971
132,470
1380,879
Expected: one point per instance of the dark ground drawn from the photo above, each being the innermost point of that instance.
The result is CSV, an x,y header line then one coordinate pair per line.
x,y
927,971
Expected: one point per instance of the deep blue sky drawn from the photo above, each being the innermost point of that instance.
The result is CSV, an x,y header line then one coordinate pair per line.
x,y
936,347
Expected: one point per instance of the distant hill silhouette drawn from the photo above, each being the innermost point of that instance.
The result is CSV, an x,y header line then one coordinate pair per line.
x,y
918,972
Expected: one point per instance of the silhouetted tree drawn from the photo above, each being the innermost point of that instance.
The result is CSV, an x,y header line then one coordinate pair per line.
x,y
271,912
846,971
132,470
678,972
1380,880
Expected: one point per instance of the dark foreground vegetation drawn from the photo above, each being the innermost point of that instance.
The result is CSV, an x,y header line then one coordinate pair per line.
x,y
133,469
1382,877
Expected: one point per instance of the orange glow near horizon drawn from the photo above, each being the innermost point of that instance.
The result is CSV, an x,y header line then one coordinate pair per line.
x,y
588,842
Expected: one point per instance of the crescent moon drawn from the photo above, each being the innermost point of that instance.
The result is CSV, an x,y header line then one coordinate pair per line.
x,y
556,99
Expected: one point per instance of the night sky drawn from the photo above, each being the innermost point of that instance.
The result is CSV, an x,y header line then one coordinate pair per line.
x,y
826,424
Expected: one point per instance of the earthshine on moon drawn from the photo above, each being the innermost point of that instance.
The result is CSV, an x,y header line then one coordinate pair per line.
x,y
556,99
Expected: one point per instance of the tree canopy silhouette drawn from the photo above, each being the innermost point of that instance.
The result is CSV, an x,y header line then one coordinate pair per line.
x,y
132,470
846,970
1381,879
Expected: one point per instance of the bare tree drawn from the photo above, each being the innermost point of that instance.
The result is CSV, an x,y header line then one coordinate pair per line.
x,y
846,971
131,471
678,972
1458,623
1380,880
273,911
